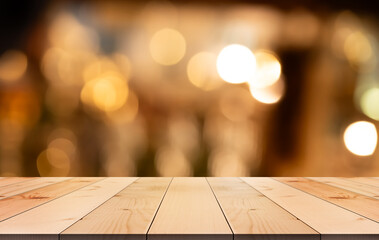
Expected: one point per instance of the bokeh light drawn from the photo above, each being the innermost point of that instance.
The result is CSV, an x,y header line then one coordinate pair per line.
x,y
167,46
268,70
370,103
269,95
108,92
13,65
53,162
361,138
358,48
202,72
236,64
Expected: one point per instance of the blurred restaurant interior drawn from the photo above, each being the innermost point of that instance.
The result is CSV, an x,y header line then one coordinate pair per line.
x,y
189,88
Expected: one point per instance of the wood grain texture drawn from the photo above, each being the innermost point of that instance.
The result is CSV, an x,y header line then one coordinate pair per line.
x,y
19,203
360,188
12,180
363,205
55,216
251,215
326,218
21,187
189,211
364,180
127,215
188,208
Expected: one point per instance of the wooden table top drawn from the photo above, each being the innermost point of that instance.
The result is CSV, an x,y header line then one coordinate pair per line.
x,y
189,208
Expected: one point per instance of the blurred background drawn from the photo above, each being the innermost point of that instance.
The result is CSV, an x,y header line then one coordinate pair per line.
x,y
189,88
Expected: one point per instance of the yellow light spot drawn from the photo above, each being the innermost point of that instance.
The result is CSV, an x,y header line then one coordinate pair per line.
x,y
358,48
236,64
53,162
13,65
269,95
202,72
108,92
370,103
268,70
167,46
361,138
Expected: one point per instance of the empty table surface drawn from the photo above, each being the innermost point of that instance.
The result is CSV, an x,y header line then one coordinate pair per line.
x,y
189,208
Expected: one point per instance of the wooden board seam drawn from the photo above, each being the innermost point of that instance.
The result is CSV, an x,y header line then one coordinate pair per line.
x,y
50,200
159,205
281,206
327,200
59,235
222,210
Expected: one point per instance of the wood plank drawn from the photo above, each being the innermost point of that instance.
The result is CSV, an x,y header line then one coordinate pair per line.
x,y
52,218
331,221
12,180
252,215
127,215
21,187
369,181
363,205
189,211
19,203
360,188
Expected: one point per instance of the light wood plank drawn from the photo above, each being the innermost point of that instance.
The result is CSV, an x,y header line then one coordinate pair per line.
x,y
21,187
25,201
331,221
54,217
369,181
127,215
189,211
360,188
363,205
12,180
252,215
